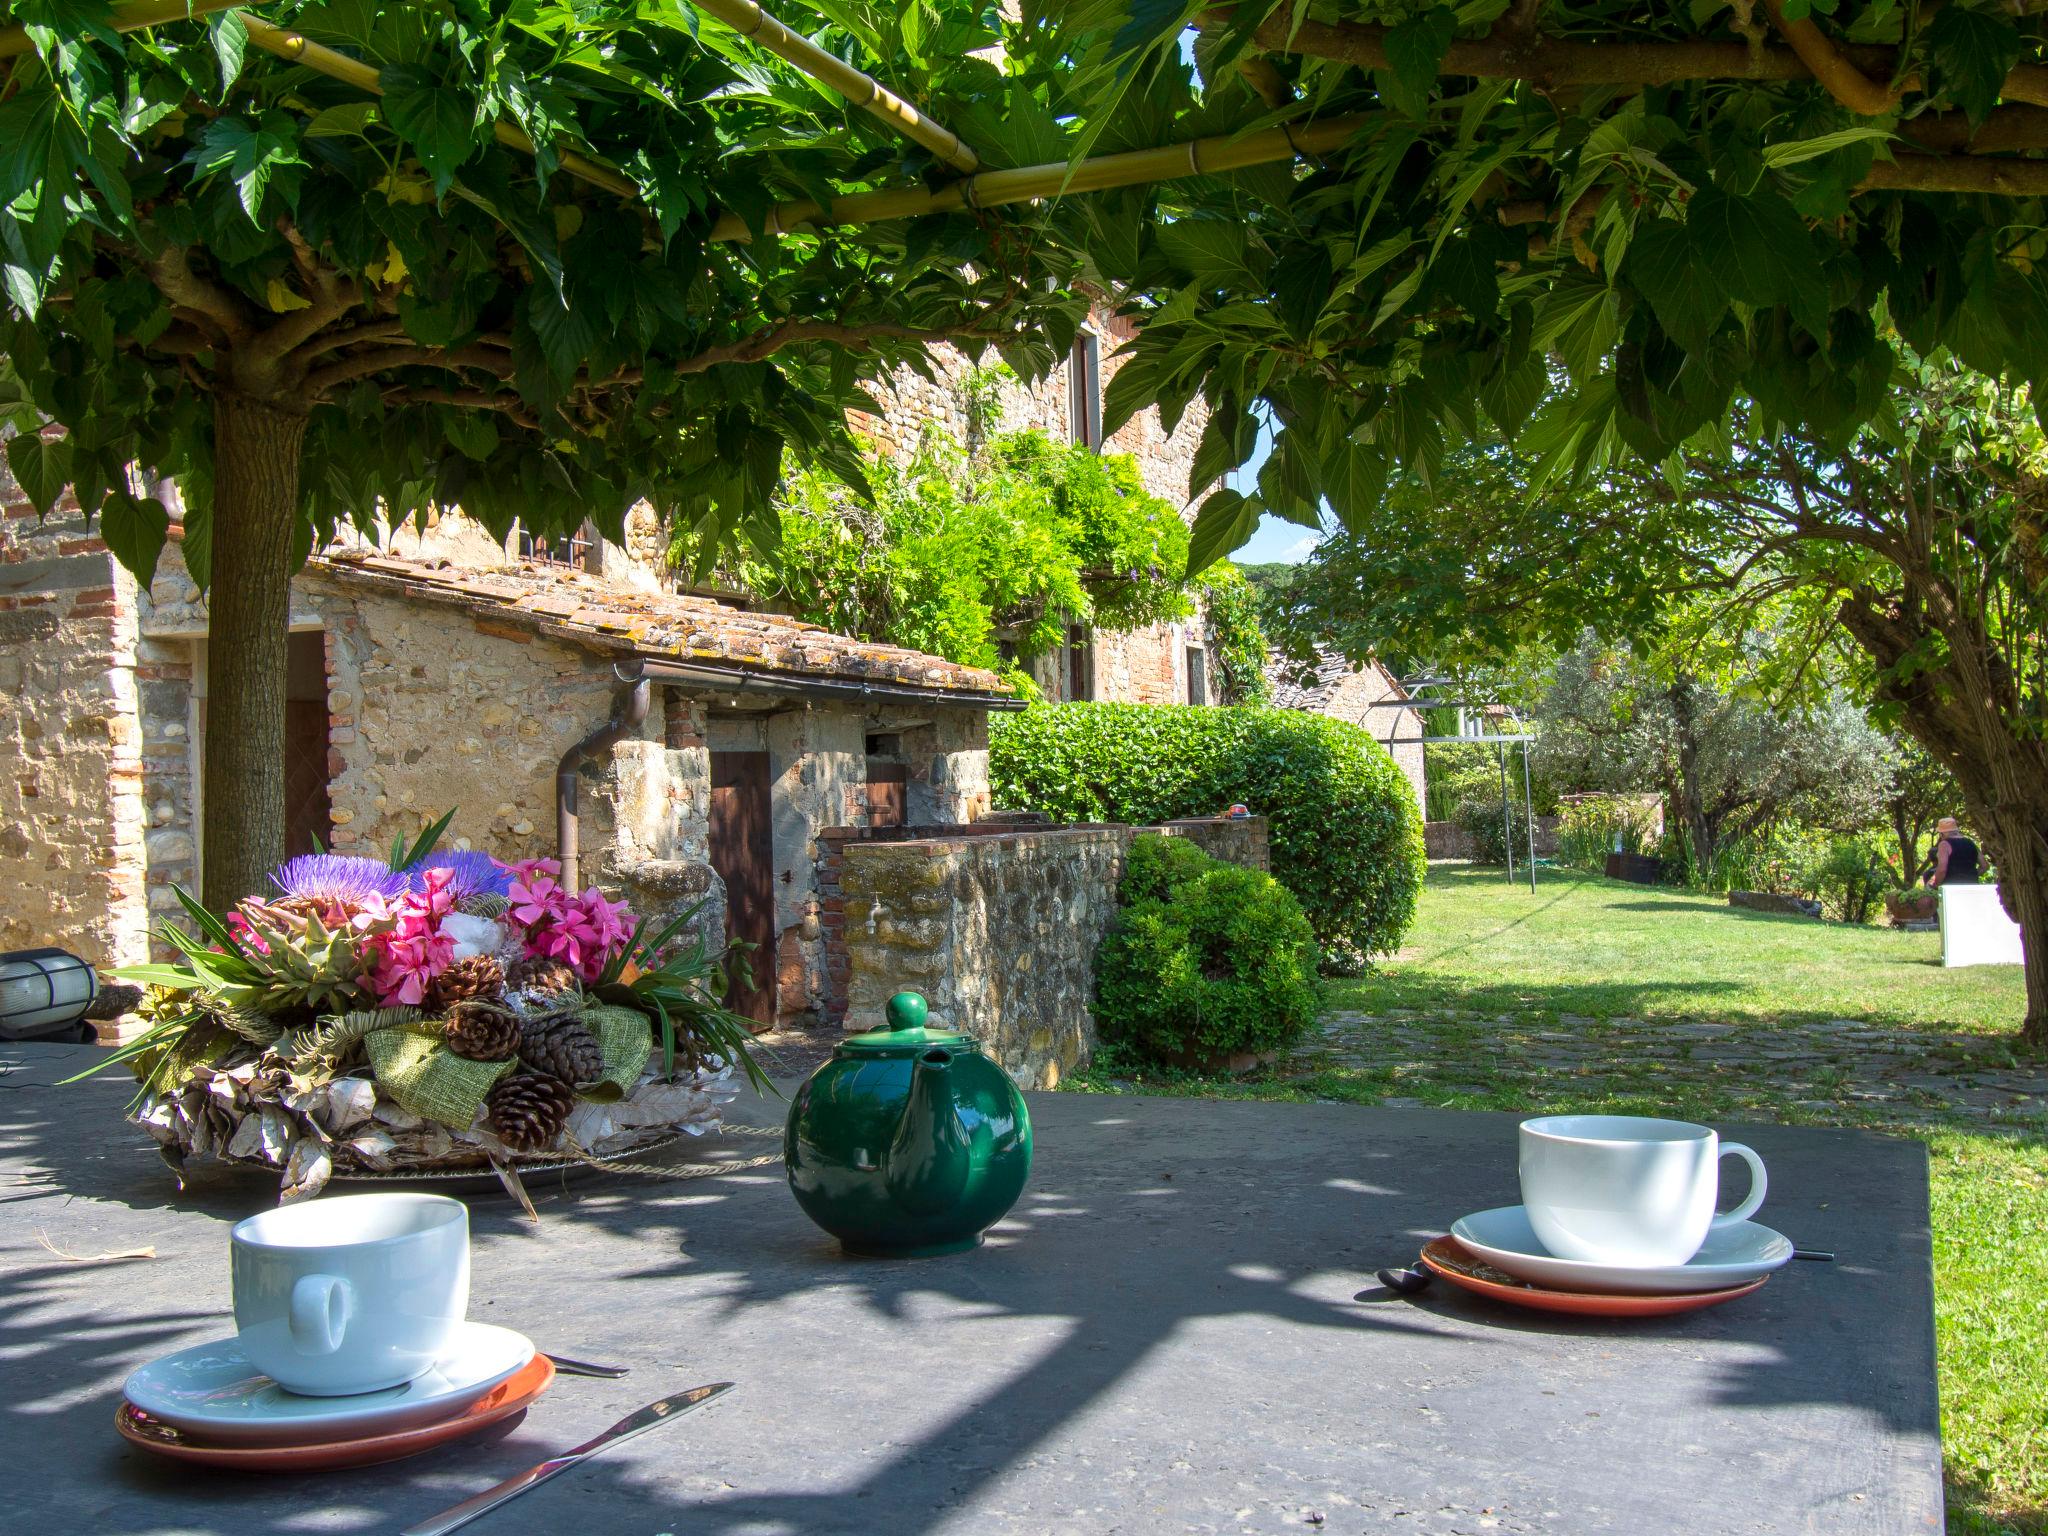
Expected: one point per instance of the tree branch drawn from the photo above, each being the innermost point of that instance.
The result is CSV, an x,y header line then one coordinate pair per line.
x,y
171,270
332,341
1508,53
765,343
361,366
1837,76
472,399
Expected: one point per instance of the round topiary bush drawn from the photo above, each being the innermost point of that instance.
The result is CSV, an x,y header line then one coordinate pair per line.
x,y
1346,832
1206,961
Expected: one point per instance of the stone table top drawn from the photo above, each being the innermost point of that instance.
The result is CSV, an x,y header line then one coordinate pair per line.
x,y
1178,1330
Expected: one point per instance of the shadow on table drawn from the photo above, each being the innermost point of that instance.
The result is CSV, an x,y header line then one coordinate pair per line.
x,y
1149,1236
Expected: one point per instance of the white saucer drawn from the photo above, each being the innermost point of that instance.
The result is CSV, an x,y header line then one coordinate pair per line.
x,y
1731,1255
212,1390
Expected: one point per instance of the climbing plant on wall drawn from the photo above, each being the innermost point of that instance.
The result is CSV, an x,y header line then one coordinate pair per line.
x,y
983,557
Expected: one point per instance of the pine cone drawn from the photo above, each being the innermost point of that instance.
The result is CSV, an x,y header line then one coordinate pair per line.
x,y
561,1047
478,976
529,1109
548,984
482,1030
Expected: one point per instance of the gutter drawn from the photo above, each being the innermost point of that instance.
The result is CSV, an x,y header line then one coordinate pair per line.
x,y
629,709
729,679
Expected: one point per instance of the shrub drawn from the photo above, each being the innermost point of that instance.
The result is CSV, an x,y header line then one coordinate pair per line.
x,y
1848,877
1588,824
1159,866
1346,833
1480,816
1206,960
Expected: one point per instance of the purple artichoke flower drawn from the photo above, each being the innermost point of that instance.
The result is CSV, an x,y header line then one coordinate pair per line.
x,y
476,874
337,877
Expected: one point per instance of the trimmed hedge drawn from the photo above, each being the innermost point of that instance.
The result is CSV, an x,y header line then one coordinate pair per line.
x,y
1206,960
1346,832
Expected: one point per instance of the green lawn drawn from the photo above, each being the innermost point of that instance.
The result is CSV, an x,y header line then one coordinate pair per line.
x,y
1596,995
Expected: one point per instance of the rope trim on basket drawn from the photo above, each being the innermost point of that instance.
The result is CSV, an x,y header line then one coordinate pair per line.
x,y
691,1170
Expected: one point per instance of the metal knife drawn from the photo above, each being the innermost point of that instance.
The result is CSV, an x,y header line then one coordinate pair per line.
x,y
633,1424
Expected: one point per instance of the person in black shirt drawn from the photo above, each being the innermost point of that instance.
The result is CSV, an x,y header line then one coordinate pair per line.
x,y
1956,861
1955,856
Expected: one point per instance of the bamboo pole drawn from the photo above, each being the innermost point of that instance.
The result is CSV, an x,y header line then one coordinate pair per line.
x,y
992,189
132,17
748,19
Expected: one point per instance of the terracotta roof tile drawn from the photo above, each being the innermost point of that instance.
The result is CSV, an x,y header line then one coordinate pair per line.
x,y
584,610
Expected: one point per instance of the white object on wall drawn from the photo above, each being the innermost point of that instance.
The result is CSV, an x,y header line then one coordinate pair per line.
x,y
1975,929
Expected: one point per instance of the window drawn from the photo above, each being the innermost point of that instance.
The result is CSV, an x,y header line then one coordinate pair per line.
x,y
1080,664
1198,675
1084,390
572,551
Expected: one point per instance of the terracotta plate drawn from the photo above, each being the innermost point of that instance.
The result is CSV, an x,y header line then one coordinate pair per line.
x,y
501,1402
1449,1259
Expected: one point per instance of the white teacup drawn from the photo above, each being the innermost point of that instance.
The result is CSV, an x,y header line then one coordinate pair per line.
x,y
351,1294
1622,1189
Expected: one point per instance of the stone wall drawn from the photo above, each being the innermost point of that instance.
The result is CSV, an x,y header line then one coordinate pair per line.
x,y
997,924
1449,840
912,404
72,818
999,933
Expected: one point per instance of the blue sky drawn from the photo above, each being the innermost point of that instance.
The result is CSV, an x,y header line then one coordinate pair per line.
x,y
1276,539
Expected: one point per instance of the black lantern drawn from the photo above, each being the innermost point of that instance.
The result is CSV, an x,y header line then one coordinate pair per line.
x,y
44,992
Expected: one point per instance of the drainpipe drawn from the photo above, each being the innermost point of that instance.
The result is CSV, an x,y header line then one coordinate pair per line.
x,y
629,708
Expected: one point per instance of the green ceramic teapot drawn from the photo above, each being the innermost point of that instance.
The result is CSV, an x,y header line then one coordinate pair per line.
x,y
908,1142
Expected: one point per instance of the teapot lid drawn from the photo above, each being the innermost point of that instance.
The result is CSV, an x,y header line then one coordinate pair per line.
x,y
905,1034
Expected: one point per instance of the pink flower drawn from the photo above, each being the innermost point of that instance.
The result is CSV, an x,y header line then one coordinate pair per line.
x,y
611,922
536,898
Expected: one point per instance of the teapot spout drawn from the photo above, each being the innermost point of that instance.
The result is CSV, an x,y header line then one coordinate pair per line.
x,y
929,1160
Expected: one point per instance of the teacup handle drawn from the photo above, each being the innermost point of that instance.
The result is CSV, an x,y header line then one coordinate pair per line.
x,y
1757,1185
320,1309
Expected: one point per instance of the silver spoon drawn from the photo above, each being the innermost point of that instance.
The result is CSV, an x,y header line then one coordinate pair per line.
x,y
584,1368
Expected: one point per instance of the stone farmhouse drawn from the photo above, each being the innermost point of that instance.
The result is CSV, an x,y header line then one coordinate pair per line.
x,y
672,744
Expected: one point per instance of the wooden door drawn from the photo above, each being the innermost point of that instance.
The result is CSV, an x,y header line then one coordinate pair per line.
x,y
886,783
743,853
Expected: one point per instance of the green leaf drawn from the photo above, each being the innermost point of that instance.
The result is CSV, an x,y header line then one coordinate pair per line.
x,y
1761,252
1795,151
438,121
1972,53
230,44
135,529
1131,388
1355,482
1226,520
28,135
42,467
403,857
350,117
249,153
1210,250
1670,267
1415,50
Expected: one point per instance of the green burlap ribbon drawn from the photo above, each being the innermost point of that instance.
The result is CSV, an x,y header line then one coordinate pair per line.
x,y
431,1081
626,1040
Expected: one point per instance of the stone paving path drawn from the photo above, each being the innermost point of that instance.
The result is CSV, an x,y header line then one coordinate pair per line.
x,y
1915,1077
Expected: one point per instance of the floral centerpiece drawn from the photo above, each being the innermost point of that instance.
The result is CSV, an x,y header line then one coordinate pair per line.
x,y
437,1012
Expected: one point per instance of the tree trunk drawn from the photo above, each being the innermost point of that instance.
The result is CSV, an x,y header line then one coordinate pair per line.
x,y
256,448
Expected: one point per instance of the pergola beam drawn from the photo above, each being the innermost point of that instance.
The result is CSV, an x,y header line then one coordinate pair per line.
x,y
1511,54
864,91
993,189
